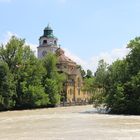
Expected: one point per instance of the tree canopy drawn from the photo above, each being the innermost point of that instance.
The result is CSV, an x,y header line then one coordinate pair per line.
x,y
25,81
121,82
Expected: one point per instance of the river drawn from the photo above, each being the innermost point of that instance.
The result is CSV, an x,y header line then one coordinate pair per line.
x,y
67,123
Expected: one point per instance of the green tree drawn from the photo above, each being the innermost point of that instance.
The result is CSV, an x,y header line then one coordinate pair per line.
x,y
89,74
51,88
114,96
122,89
101,73
27,72
83,73
89,84
100,79
52,81
7,87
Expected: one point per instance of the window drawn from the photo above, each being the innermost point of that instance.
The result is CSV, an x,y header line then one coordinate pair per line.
x,y
71,91
79,82
55,42
78,91
44,41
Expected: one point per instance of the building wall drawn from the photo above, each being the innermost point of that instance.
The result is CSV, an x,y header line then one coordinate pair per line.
x,y
43,50
75,92
70,94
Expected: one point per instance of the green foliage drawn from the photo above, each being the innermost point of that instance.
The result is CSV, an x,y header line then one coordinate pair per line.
x,y
52,80
99,84
121,92
89,84
12,53
51,88
83,73
89,74
25,81
27,73
49,62
7,88
34,96
133,57
101,73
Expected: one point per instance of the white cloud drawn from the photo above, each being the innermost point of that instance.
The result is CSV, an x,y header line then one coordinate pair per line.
x,y
75,58
33,47
6,37
109,57
92,63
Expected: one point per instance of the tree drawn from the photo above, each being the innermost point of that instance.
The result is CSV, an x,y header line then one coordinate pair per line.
x,y
114,87
133,57
99,84
51,88
83,73
27,72
52,80
101,73
89,84
89,74
122,88
7,87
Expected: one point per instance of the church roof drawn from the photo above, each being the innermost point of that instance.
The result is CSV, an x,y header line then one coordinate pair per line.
x,y
48,32
62,58
48,28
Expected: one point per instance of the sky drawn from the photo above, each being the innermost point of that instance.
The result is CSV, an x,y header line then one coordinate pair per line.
x,y
88,30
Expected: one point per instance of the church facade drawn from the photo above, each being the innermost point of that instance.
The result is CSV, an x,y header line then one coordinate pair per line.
x,y
72,90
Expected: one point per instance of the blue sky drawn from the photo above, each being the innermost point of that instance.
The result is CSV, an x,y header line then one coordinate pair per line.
x,y
88,30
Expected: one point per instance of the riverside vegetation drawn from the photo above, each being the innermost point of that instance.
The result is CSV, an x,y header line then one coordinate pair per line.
x,y
116,87
25,81
28,82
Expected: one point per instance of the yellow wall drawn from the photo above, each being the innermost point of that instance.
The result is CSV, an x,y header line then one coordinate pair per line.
x,y
75,92
70,94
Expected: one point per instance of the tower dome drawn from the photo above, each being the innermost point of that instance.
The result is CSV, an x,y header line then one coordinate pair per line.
x,y
47,42
48,32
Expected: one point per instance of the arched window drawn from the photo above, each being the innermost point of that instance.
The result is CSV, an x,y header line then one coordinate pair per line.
x,y
71,91
79,91
44,41
55,42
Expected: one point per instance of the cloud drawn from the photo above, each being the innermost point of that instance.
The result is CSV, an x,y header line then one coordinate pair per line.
x,y
92,63
75,58
33,47
6,37
109,57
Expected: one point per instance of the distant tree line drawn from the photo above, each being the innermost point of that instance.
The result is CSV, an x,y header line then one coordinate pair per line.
x,y
25,81
116,87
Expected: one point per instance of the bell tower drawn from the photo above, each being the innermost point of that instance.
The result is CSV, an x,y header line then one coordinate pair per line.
x,y
47,42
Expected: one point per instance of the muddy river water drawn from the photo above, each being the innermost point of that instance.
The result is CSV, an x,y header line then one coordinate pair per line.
x,y
67,123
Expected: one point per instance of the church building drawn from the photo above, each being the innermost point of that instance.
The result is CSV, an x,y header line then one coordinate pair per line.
x,y
72,89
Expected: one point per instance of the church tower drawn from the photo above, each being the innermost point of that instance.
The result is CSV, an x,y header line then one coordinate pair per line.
x,y
47,42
